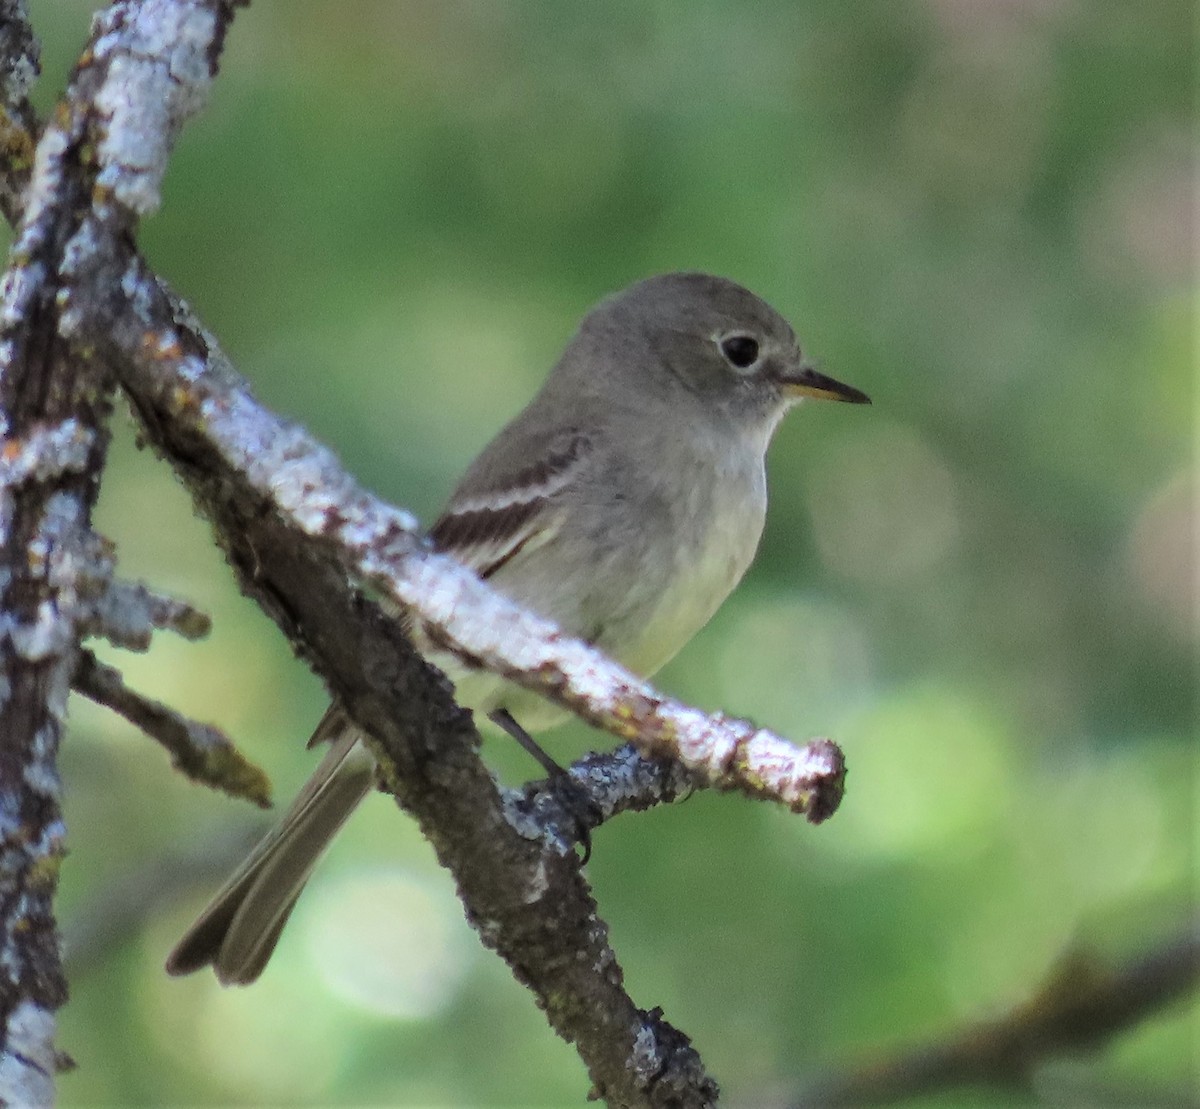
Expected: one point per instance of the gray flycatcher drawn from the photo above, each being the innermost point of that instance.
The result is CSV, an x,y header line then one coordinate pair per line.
x,y
624,503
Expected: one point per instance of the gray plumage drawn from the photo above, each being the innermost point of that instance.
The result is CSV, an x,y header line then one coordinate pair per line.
x,y
624,503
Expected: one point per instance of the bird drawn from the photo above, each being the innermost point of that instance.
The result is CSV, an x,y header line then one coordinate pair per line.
x,y
624,503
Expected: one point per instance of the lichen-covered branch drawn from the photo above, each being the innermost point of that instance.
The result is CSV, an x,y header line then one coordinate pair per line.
x,y
204,753
195,393
54,403
19,67
613,782
1078,1008
45,499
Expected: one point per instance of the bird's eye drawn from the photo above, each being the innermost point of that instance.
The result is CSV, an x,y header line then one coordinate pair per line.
x,y
740,351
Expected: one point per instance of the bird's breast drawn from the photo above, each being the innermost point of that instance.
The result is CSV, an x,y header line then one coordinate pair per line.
x,y
709,542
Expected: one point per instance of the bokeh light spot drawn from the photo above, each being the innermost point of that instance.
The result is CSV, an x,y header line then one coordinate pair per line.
x,y
271,1043
385,941
928,777
801,660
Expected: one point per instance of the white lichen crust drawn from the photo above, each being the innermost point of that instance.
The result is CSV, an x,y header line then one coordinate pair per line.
x,y
159,60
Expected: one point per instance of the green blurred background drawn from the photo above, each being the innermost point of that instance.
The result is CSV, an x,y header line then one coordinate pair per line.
x,y
392,215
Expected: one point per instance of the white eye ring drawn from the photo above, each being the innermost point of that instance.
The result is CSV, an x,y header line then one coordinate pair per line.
x,y
740,350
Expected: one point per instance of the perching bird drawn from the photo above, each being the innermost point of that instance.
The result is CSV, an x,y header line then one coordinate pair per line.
x,y
624,503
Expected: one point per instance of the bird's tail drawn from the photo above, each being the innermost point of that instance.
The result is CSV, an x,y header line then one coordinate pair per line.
x,y
239,928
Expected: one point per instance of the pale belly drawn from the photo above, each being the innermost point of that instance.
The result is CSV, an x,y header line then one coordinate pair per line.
x,y
705,575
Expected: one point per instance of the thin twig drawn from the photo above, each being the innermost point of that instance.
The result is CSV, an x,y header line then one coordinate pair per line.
x,y
127,613
204,753
611,782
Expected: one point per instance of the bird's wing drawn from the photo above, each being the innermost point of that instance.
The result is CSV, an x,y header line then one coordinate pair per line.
x,y
489,521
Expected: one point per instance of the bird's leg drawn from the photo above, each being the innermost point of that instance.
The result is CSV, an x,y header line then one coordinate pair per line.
x,y
574,798
502,718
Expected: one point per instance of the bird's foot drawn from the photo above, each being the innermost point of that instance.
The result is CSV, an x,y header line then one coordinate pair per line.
x,y
572,797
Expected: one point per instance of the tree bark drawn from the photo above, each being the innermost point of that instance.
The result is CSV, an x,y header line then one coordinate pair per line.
x,y
92,177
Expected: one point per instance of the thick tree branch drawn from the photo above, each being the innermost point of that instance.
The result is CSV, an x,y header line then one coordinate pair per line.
x,y
54,401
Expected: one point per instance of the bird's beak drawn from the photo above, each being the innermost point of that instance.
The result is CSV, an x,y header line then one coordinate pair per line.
x,y
804,381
